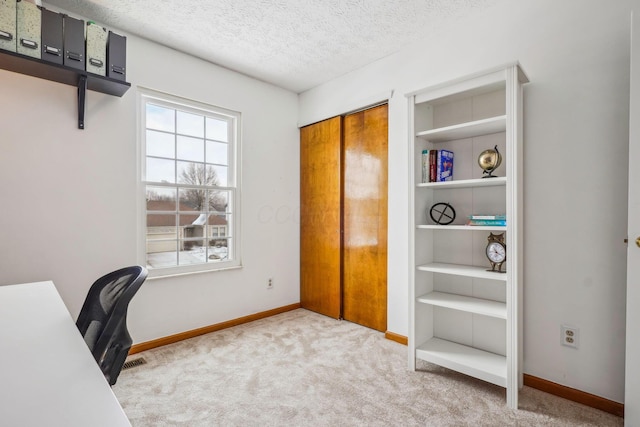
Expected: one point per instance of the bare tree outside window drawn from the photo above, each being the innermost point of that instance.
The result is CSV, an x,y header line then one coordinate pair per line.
x,y
201,175
196,198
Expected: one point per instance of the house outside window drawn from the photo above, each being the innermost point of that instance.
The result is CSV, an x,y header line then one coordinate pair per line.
x,y
190,186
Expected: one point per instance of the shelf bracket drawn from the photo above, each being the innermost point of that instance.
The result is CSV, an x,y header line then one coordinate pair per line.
x,y
82,93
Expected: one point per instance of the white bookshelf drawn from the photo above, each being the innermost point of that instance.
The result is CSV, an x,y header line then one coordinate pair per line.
x,y
463,316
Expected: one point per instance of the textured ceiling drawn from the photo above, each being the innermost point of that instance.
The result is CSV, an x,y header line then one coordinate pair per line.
x,y
294,44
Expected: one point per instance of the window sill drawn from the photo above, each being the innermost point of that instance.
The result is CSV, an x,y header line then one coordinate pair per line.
x,y
159,275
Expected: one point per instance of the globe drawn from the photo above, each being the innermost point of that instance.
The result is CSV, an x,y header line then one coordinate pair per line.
x,y
489,160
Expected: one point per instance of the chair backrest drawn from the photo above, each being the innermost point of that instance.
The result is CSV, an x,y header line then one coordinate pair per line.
x,y
103,318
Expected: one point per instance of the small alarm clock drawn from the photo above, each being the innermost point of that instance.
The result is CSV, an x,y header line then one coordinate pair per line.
x,y
496,251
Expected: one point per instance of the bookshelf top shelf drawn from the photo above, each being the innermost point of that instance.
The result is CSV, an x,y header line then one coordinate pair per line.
x,y
465,130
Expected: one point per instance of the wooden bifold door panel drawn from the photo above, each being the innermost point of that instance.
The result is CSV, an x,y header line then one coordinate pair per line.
x,y
344,217
320,222
364,277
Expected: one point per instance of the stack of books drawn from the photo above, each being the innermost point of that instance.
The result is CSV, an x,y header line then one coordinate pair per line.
x,y
437,165
487,220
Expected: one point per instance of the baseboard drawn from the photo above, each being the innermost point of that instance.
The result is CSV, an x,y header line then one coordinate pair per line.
x,y
148,345
396,337
574,395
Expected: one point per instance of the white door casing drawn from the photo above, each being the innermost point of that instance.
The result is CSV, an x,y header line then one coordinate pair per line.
x,y
632,368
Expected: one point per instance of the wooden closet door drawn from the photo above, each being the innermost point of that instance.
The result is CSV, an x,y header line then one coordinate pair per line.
x,y
365,217
320,217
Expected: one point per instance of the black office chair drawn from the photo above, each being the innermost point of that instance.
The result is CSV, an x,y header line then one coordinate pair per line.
x,y
103,318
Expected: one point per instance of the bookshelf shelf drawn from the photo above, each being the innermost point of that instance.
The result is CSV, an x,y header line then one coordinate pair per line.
x,y
462,227
462,270
465,130
481,364
465,303
466,183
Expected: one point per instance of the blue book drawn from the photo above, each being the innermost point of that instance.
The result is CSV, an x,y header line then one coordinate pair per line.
x,y
444,167
493,222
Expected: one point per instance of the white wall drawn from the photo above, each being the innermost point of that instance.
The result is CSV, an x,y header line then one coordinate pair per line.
x,y
576,54
69,196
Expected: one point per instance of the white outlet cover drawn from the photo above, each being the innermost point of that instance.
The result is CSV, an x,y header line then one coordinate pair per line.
x,y
565,331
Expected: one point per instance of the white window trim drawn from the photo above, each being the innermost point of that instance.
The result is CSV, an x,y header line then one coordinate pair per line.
x,y
161,98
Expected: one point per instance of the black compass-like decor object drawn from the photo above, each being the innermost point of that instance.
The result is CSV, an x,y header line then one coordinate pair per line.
x,y
442,213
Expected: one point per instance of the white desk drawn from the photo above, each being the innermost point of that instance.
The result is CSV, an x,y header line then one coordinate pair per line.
x,y
48,376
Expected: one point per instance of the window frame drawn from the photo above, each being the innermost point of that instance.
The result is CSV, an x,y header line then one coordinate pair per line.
x,y
146,96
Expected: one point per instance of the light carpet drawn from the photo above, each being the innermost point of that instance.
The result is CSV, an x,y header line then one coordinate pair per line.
x,y
303,369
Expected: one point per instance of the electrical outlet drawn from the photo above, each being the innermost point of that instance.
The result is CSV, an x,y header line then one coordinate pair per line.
x,y
569,336
270,283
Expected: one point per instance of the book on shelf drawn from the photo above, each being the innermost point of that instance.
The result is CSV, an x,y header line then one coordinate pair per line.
x,y
433,158
440,165
425,166
503,217
444,166
490,222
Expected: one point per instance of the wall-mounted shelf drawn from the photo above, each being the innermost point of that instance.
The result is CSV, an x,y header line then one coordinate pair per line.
x,y
83,80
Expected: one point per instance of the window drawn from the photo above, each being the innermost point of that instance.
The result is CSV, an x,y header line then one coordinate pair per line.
x,y
190,185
